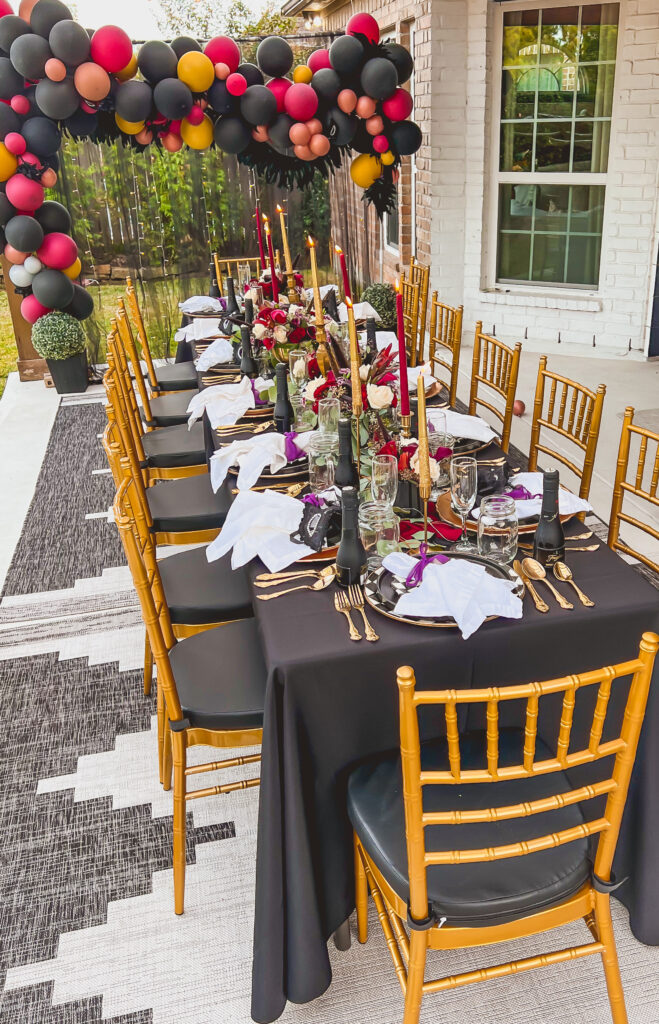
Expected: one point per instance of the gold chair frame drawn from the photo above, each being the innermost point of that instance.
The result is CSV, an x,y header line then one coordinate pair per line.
x,y
411,318
574,412
178,734
591,902
495,366
622,486
227,266
420,274
136,313
446,333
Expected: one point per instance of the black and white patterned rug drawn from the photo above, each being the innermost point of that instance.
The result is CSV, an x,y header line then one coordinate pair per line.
x,y
87,907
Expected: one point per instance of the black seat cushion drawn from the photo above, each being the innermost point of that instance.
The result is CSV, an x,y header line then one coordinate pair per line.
x,y
171,410
220,677
176,376
173,447
199,591
472,895
179,506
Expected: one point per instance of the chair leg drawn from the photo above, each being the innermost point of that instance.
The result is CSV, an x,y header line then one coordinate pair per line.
x,y
179,754
361,896
416,970
160,725
610,958
148,666
167,757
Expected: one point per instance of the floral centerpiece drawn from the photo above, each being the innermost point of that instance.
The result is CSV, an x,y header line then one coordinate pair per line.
x,y
282,328
265,282
408,470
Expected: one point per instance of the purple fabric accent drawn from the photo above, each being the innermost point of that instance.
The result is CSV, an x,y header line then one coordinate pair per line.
x,y
520,493
291,450
257,398
416,574
312,499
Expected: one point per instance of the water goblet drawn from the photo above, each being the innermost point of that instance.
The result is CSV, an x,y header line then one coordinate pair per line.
x,y
464,485
323,456
384,479
329,410
498,528
297,366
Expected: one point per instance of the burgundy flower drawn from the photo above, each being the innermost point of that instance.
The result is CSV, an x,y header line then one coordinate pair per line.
x,y
297,335
278,316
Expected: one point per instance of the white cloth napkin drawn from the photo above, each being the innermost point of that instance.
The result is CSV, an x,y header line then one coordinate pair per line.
x,y
568,503
362,311
462,589
219,351
200,330
382,339
325,289
200,304
259,524
225,403
253,455
472,427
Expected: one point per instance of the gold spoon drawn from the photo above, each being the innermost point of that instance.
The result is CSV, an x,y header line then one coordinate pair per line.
x,y
538,572
318,585
244,428
268,579
564,573
291,489
541,605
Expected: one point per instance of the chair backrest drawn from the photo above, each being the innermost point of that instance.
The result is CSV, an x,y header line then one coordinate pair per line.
x,y
614,782
445,336
227,266
131,408
496,367
112,443
136,313
572,411
642,484
420,274
411,318
127,340
132,449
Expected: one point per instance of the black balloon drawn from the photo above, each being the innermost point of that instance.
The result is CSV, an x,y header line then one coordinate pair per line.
x,y
53,288
10,80
82,304
173,98
379,78
327,84
221,99
42,136
361,141
29,54
134,100
31,96
82,125
401,59
58,100
278,132
11,27
46,14
274,56
24,233
7,211
232,134
406,137
69,42
184,44
346,55
251,74
54,217
157,60
340,128
258,105
9,121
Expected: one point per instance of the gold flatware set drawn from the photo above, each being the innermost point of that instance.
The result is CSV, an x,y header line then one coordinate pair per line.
x,y
345,601
291,489
244,428
531,571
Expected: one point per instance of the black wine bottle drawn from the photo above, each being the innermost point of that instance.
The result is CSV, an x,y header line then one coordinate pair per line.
x,y
351,556
371,343
549,540
232,308
214,288
346,474
249,312
283,413
248,366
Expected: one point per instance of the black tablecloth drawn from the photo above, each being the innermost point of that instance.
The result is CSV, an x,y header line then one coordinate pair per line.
x,y
331,702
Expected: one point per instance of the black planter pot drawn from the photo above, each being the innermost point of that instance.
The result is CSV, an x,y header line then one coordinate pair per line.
x,y
69,375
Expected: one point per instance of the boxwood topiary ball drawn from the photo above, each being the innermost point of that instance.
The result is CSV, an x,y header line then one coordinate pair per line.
x,y
58,336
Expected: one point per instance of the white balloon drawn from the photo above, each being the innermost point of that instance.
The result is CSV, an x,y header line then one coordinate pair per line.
x,y
19,276
33,265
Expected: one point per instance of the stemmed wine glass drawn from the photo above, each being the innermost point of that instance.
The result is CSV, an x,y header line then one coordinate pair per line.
x,y
464,485
384,479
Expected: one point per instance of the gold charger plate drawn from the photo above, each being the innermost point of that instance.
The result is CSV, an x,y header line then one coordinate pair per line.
x,y
293,471
318,557
259,413
447,515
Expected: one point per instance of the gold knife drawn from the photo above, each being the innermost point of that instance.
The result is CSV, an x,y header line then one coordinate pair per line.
x,y
541,605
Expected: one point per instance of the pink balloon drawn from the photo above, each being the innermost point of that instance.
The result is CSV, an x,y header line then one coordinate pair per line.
x,y
15,143
303,153
112,48
88,108
49,178
196,115
223,50
222,71
319,145
301,101
26,194
279,87
380,143
15,256
30,158
5,8
20,105
172,143
314,126
299,134
145,137
365,106
31,309
175,127
159,120
58,251
319,59
346,101
374,125
55,70
398,106
260,133
236,84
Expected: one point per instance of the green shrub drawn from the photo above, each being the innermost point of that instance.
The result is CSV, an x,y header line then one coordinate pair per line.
x,y
58,336
382,297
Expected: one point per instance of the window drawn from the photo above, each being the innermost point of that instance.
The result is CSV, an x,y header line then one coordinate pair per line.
x,y
391,228
558,68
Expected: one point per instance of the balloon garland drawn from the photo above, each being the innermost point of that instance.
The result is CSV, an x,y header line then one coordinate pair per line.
x,y
284,122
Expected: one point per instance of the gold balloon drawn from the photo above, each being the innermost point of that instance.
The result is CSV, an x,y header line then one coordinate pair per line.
x,y
8,163
129,71
196,70
387,158
365,169
74,270
302,74
129,127
197,136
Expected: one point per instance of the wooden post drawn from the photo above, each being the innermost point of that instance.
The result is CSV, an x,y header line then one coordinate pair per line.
x,y
30,364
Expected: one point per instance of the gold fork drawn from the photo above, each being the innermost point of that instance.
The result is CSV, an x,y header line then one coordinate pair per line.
x,y
342,605
356,596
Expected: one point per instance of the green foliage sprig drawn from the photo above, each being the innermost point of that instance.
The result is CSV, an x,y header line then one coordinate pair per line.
x,y
382,297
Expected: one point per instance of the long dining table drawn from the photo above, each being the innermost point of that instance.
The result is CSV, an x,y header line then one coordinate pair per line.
x,y
331,702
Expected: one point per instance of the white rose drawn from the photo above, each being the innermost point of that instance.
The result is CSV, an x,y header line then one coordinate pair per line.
x,y
258,330
294,311
434,466
364,371
379,397
283,300
310,389
280,334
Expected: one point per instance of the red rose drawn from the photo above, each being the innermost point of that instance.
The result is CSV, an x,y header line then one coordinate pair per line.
x,y
297,335
268,341
389,449
313,367
278,316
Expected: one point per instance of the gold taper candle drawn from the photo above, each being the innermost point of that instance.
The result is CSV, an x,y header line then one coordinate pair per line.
x,y
318,302
284,239
425,483
355,379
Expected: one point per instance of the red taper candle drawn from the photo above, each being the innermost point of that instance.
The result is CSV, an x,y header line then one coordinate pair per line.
x,y
273,272
344,272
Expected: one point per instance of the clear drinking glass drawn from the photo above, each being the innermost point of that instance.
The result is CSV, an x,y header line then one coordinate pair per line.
x,y
323,456
464,484
439,438
497,528
297,366
329,410
379,529
384,479
244,274
297,402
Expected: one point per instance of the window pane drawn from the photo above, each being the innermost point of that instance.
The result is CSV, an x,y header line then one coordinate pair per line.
x,y
556,95
587,210
599,32
558,37
551,207
518,87
552,146
520,37
584,259
514,257
595,90
516,146
392,228
549,258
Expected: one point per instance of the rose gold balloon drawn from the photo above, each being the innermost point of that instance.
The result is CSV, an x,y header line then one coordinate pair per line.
x,y
49,178
260,133
25,9
319,145
346,101
303,153
14,256
299,134
365,106
145,137
519,407
222,71
92,82
314,126
172,143
55,70
374,125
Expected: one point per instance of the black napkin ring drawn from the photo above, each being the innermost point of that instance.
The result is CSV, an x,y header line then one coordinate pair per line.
x,y
180,726
425,924
599,885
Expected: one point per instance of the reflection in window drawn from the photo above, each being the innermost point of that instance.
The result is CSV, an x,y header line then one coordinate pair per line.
x,y
392,228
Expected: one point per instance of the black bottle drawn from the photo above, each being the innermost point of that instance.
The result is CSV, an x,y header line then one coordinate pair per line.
x,y
351,556
232,308
283,413
549,540
346,474
371,343
249,312
248,366
214,289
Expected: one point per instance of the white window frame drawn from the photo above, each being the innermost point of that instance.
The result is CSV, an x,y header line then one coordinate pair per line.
x,y
498,177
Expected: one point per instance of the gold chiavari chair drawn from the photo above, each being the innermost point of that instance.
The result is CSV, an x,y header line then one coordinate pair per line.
x,y
572,411
496,367
411,318
643,486
212,686
481,874
227,266
420,274
445,343
163,379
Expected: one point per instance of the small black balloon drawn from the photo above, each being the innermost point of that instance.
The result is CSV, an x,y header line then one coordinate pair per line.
x,y
7,211
184,44
327,84
173,99
401,59
24,233
379,78
279,133
11,27
232,134
54,217
52,288
10,80
258,105
361,141
45,14
346,55
406,137
134,100
157,60
221,99
42,136
274,56
251,74
29,54
9,121
340,127
82,304
58,100
69,42
82,125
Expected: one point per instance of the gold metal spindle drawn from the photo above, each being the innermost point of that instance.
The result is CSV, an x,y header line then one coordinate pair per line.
x,y
425,484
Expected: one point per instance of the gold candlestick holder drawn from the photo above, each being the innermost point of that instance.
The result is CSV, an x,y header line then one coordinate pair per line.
x,y
406,426
292,289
